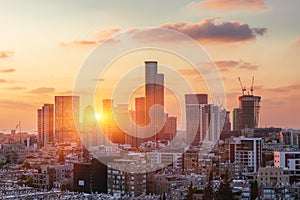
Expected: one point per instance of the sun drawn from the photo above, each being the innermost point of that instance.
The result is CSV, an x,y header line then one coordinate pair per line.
x,y
99,116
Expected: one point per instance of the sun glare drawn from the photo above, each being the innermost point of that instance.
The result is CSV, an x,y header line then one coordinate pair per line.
x,y
99,116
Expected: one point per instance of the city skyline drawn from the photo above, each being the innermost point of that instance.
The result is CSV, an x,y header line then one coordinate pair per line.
x,y
41,52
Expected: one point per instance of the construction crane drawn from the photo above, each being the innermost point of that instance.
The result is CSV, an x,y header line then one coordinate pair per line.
x,y
252,87
243,87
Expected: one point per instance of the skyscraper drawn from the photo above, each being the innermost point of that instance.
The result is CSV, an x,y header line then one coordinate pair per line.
x,y
154,94
170,128
196,119
237,119
66,118
90,135
140,111
45,124
247,115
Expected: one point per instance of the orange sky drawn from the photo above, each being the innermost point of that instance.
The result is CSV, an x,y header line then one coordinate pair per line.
x,y
44,43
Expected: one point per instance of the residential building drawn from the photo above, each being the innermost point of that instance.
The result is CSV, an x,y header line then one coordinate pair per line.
x,y
247,153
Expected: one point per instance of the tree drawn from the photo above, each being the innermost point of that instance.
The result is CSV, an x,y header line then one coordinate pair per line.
x,y
224,191
208,190
189,196
163,197
254,190
26,165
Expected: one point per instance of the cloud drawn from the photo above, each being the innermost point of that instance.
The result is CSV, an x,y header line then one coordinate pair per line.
x,y
6,81
16,88
8,103
43,90
6,54
106,34
226,5
225,65
3,81
206,31
286,88
79,43
98,37
66,92
7,70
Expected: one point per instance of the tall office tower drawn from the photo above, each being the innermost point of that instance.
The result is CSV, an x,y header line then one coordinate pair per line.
x,y
154,93
140,120
227,123
246,153
122,123
40,127
196,120
108,124
90,135
237,119
249,106
45,124
170,128
215,121
140,112
66,118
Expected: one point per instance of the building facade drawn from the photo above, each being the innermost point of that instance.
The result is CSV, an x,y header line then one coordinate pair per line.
x,y
66,119
246,153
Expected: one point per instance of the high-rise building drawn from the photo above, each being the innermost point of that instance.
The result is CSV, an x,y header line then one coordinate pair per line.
x,y
170,128
90,134
112,115
248,115
66,118
39,126
154,95
45,124
246,153
196,118
227,123
140,111
237,119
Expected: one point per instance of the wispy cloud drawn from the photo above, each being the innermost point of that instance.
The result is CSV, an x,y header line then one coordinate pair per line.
x,y
79,43
226,5
95,38
7,70
67,92
6,54
206,31
106,34
6,81
3,80
8,103
285,88
225,65
16,88
43,90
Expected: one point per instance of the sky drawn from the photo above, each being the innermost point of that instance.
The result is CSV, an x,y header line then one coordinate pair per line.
x,y
43,45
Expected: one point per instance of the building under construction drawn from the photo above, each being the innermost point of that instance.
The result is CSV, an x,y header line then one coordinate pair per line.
x,y
247,115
